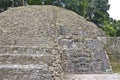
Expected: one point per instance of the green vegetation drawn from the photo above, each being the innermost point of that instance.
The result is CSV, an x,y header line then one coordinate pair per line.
x,y
39,2
115,67
115,62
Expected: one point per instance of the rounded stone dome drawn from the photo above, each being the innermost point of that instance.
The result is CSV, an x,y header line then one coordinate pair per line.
x,y
43,25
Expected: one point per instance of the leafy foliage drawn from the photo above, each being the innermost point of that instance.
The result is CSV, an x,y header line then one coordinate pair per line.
x,y
3,5
46,2
97,11
35,2
116,25
109,29
79,6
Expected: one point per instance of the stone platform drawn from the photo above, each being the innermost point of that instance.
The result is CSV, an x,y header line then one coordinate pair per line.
x,y
92,77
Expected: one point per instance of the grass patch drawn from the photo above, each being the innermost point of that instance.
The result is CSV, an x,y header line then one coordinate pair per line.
x,y
115,63
115,66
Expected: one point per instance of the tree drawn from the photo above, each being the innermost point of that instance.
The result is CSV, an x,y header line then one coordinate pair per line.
x,y
109,28
79,6
116,25
35,2
3,5
39,2
97,11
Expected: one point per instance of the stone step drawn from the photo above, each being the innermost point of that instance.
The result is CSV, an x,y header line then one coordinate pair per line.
x,y
92,77
25,72
19,66
26,59
24,50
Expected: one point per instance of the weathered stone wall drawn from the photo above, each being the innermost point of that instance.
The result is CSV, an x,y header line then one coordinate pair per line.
x,y
83,55
111,45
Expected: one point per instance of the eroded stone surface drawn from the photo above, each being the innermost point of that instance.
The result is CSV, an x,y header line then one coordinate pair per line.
x,y
84,56
21,63
44,42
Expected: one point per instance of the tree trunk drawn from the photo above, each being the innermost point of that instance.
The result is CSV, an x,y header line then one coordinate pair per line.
x,y
12,3
23,2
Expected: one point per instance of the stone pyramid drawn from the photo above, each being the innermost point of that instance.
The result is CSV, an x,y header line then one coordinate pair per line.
x,y
46,42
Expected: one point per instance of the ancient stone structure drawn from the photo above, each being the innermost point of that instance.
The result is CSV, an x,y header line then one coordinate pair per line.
x,y
112,47
46,42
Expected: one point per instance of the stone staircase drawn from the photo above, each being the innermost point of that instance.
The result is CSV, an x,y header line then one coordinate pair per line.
x,y
28,63
75,55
